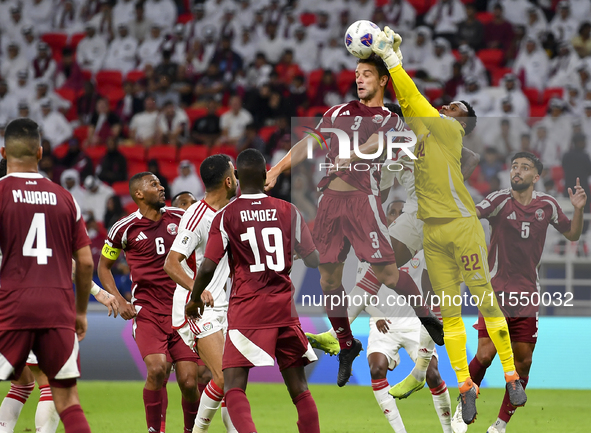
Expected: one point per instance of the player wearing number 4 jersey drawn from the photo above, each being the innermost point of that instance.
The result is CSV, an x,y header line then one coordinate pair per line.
x,y
41,229
146,236
206,336
519,219
260,235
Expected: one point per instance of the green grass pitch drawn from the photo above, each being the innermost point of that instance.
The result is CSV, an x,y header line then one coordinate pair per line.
x,y
117,407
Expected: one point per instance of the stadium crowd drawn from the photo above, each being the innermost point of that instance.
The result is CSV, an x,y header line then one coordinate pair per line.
x,y
121,86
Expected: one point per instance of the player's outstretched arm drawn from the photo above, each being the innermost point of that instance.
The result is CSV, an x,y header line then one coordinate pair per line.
x,y
172,266
106,276
469,162
194,308
578,200
295,156
84,268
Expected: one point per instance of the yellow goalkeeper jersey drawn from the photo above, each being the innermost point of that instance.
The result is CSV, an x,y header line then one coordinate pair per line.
x,y
439,183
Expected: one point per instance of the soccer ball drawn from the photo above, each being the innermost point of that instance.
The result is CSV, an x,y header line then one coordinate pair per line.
x,y
359,38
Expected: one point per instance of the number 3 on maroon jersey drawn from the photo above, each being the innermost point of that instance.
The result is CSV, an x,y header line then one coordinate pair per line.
x,y
277,248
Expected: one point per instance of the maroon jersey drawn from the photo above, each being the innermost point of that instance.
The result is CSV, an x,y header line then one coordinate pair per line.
x,y
517,240
256,231
146,244
354,118
40,228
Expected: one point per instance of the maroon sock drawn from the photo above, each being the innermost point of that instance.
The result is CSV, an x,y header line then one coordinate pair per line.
x,y
189,413
153,406
477,371
507,409
239,411
407,287
164,407
307,413
337,314
74,420
201,387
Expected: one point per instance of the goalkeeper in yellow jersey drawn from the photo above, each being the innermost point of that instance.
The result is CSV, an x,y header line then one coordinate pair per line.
x,y
454,243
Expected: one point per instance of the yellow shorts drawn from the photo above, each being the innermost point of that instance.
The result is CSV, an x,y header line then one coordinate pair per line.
x,y
455,251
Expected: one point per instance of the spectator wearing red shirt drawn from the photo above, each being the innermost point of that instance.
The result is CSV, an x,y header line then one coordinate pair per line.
x,y
286,68
499,32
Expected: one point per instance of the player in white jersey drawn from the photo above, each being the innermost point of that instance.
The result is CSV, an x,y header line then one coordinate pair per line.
x,y
205,336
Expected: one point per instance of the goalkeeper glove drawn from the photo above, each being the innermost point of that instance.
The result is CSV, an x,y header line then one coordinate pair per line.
x,y
382,46
397,40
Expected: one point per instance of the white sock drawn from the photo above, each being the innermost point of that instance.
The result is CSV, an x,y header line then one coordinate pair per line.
x,y
388,404
500,425
12,405
46,417
211,400
442,404
424,354
226,419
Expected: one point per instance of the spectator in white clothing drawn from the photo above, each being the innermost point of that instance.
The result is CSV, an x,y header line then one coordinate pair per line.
x,y
272,45
143,125
70,180
12,29
24,90
472,66
97,194
420,48
123,12
532,61
187,180
320,31
29,43
444,16
149,52
13,63
305,50
401,15
67,17
43,93
161,12
476,96
121,51
54,126
512,87
563,67
91,50
564,26
172,125
41,13
140,26
233,123
439,64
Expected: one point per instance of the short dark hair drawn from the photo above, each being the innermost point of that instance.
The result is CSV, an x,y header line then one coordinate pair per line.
x,y
252,159
376,61
135,179
213,170
472,118
533,158
22,138
176,197
3,167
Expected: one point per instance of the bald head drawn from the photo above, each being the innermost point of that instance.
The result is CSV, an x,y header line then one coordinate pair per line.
x,y
22,139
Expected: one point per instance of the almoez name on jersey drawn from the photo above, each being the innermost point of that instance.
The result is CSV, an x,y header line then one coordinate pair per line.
x,y
34,197
258,215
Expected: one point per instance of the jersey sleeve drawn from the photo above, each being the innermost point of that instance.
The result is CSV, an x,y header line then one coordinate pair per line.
x,y
188,238
492,204
114,242
558,219
218,239
302,238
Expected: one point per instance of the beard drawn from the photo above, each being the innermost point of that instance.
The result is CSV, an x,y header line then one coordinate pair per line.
x,y
520,186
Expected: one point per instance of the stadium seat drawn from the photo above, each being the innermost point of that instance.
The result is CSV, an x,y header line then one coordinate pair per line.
x,y
130,207
75,39
552,92
96,153
492,58
56,41
266,131
497,73
484,17
314,78
67,93
421,6
537,110
195,113
109,78
532,94
307,19
162,152
81,133
135,153
134,167
557,174
60,151
344,80
169,169
193,152
135,75
316,111
433,94
223,109
121,188
228,149
87,74
113,94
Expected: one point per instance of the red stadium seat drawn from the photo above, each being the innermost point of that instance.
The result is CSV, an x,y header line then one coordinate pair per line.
x,y
162,153
223,109
532,94
266,131
484,17
81,133
109,77
56,41
314,78
184,18
316,111
193,152
135,75
433,94
421,6
307,19
121,188
537,110
96,153
130,207
552,92
169,169
135,153
60,151
135,168
113,94
492,58
66,93
456,54
75,39
227,149
557,174
87,74
497,73
195,113
344,80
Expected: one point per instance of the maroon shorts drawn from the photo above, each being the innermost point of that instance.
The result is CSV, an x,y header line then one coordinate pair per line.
x,y
351,218
56,350
259,348
153,333
521,329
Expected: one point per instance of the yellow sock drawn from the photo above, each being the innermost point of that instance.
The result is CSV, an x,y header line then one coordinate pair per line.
x,y
455,343
499,334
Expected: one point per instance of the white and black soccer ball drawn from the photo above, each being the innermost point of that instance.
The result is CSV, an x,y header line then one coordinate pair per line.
x,y
359,38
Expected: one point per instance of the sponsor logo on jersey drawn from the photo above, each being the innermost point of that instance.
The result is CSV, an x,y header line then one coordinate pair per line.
x,y
415,262
540,214
512,216
477,276
207,326
378,118
172,229
141,237
377,255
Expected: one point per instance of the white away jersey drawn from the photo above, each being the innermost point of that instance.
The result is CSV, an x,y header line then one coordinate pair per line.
x,y
190,241
405,168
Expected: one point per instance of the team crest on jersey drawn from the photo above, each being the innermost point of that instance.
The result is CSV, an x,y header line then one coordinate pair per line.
x,y
172,229
540,214
378,118
415,262
207,326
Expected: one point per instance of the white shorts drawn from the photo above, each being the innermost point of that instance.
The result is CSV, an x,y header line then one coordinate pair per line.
x,y
212,321
408,229
389,344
